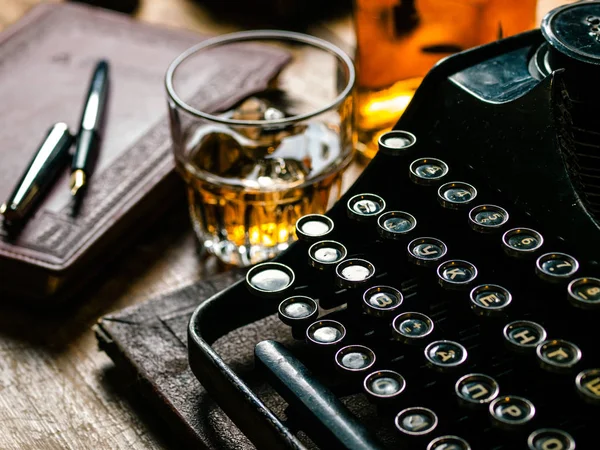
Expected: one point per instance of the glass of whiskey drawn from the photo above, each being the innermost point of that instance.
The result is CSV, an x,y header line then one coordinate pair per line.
x,y
398,41
262,125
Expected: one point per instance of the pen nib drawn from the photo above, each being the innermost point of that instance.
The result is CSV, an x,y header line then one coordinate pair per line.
x,y
77,181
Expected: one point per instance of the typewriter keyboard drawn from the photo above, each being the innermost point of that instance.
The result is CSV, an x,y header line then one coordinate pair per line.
x,y
461,322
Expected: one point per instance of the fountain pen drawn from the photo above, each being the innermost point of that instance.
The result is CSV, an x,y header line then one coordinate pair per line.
x,y
90,129
49,159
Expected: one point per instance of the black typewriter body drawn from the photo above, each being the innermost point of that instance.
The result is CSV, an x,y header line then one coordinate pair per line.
x,y
455,288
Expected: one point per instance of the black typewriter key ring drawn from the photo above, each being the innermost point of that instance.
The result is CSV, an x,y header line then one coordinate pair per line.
x,y
395,225
325,334
456,195
587,384
313,227
521,242
584,293
325,255
365,207
556,267
428,171
426,251
476,390
270,279
382,301
456,274
487,218
354,272
511,412
298,312
449,443
411,328
445,356
416,421
523,336
550,439
558,355
355,360
384,386
397,143
490,300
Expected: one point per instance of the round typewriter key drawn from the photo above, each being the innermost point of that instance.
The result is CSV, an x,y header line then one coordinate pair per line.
x,y
427,171
382,301
487,218
269,279
476,390
448,443
585,293
326,254
445,355
326,333
353,272
550,439
411,327
313,227
426,251
396,142
489,299
588,385
511,411
456,195
555,267
456,274
384,385
356,359
557,355
395,224
523,335
364,207
521,242
298,310
416,421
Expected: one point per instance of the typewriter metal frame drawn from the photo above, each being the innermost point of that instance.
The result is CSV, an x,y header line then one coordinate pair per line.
x,y
533,122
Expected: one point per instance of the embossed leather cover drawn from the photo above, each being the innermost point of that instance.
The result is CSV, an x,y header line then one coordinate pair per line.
x,y
46,61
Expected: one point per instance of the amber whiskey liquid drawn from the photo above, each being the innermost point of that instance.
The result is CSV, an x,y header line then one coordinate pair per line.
x,y
399,41
247,187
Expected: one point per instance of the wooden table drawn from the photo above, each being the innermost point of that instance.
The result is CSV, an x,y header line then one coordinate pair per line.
x,y
56,389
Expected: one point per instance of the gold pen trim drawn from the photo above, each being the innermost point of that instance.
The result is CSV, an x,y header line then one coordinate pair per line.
x,y
78,180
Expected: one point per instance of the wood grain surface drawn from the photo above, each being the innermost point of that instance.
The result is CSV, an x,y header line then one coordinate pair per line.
x,y
56,389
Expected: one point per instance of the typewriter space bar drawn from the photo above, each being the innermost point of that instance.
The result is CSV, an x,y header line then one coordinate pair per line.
x,y
301,390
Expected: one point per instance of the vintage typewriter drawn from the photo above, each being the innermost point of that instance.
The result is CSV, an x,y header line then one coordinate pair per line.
x,y
450,299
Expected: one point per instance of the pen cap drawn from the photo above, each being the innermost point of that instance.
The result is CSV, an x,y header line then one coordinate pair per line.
x,y
50,157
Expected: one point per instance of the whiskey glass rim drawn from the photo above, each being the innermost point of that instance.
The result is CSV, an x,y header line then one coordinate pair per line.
x,y
264,35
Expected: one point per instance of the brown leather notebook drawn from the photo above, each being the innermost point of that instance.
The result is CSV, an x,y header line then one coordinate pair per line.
x,y
46,61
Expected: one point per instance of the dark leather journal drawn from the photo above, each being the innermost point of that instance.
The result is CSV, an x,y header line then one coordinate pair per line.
x,y
46,61
148,344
